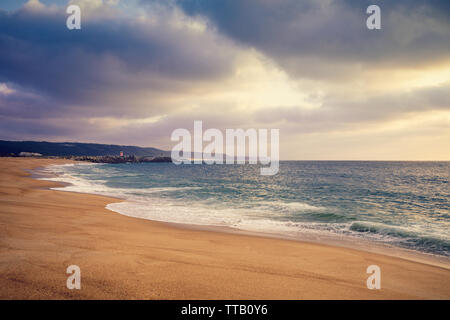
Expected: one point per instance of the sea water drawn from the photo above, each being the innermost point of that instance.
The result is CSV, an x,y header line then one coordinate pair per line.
x,y
405,204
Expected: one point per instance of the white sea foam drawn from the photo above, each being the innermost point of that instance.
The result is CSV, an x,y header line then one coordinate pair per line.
x,y
288,206
244,219
144,204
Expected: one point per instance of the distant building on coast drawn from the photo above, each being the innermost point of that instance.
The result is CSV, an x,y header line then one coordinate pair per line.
x,y
121,153
30,154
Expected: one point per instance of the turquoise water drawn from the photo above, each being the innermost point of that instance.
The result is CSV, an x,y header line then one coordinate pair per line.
x,y
405,204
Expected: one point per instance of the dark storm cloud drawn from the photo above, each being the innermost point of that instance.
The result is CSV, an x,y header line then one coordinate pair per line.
x,y
109,54
329,38
117,65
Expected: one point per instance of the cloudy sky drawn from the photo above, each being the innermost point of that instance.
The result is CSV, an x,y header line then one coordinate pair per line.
x,y
139,69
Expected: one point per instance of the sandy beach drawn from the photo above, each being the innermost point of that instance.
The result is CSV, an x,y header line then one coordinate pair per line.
x,y
44,231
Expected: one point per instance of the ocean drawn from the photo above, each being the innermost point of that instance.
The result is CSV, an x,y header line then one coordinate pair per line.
x,y
401,204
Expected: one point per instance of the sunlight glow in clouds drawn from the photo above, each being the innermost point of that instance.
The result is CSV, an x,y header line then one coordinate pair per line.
x,y
5,90
139,69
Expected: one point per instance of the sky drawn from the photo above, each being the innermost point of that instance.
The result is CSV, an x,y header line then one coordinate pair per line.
x,y
139,69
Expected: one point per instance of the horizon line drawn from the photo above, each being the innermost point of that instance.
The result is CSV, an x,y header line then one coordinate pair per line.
x,y
158,148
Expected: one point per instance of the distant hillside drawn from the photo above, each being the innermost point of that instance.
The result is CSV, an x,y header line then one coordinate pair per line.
x,y
75,149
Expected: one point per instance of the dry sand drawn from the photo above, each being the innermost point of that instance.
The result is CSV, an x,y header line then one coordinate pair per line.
x,y
44,231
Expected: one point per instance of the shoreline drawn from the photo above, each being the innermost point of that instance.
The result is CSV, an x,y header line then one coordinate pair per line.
x,y
188,263
333,240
